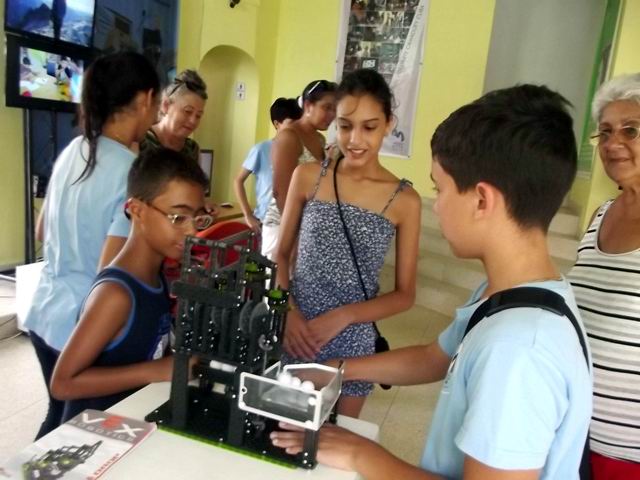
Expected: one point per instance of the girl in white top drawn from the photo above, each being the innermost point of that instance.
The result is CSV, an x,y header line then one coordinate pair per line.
x,y
299,142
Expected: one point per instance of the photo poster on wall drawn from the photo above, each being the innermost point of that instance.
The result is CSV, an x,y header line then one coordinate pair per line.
x,y
387,36
146,26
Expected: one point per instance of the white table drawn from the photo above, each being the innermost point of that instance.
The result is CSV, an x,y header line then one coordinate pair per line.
x,y
168,456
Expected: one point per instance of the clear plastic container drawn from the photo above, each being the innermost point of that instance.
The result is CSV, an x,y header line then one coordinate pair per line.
x,y
274,395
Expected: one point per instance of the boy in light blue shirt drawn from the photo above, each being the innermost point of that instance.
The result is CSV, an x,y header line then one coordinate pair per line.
x,y
258,162
516,397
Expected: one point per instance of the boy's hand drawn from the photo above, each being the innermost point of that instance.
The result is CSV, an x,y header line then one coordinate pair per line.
x,y
337,447
165,369
193,361
326,327
253,222
298,341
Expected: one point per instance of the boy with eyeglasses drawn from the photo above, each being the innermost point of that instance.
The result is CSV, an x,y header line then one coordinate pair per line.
x,y
121,338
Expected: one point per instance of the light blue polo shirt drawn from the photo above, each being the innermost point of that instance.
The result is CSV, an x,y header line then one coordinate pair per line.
x,y
517,394
78,218
259,163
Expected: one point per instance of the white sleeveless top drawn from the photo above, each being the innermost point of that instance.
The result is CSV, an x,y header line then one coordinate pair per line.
x,y
607,291
273,215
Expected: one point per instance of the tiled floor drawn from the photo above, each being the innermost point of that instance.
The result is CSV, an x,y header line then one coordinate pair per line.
x,y
22,392
402,412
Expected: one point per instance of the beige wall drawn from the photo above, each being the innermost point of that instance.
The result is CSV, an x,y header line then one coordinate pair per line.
x,y
229,46
457,43
11,178
229,124
278,46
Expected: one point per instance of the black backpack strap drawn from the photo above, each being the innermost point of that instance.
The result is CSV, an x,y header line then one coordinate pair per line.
x,y
533,297
530,297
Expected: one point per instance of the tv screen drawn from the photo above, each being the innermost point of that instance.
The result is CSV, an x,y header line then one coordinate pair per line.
x,y
68,21
41,76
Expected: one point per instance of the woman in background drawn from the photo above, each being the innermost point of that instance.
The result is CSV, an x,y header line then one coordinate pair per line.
x,y
181,110
296,143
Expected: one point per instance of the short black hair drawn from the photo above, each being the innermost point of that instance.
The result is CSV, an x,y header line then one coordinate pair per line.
x,y
155,168
518,139
367,82
284,108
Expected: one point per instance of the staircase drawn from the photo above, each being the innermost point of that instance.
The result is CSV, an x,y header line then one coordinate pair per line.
x,y
446,282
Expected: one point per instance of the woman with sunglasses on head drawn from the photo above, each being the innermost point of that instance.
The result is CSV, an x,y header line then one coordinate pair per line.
x,y
341,217
83,220
606,284
181,110
298,142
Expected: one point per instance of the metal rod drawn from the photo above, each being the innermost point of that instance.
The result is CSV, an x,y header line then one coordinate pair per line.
x,y
29,232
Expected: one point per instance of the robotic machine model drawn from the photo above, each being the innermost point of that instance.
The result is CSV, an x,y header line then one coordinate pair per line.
x,y
229,326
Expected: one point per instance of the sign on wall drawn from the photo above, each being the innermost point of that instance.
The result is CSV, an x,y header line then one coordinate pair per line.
x,y
387,36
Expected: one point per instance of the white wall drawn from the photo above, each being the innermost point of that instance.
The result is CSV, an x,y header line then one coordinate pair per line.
x,y
551,42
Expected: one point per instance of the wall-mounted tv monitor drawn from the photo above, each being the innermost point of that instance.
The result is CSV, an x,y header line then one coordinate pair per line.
x,y
41,76
69,21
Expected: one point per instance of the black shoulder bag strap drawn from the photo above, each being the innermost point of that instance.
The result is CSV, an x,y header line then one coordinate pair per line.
x,y
535,298
381,342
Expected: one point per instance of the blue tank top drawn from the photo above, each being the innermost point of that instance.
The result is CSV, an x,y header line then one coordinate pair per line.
x,y
144,337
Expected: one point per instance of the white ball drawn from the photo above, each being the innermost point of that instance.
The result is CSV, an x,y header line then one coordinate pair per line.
x,y
308,386
284,378
295,382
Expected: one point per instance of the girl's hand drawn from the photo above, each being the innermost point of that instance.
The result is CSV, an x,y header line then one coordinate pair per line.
x,y
253,222
326,327
333,152
298,341
337,447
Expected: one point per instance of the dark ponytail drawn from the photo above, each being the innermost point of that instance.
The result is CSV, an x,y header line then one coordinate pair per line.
x,y
110,84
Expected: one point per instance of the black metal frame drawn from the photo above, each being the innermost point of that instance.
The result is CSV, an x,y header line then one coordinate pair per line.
x,y
229,313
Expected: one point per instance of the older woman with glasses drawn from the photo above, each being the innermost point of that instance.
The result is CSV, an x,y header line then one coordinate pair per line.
x,y
606,282
182,107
